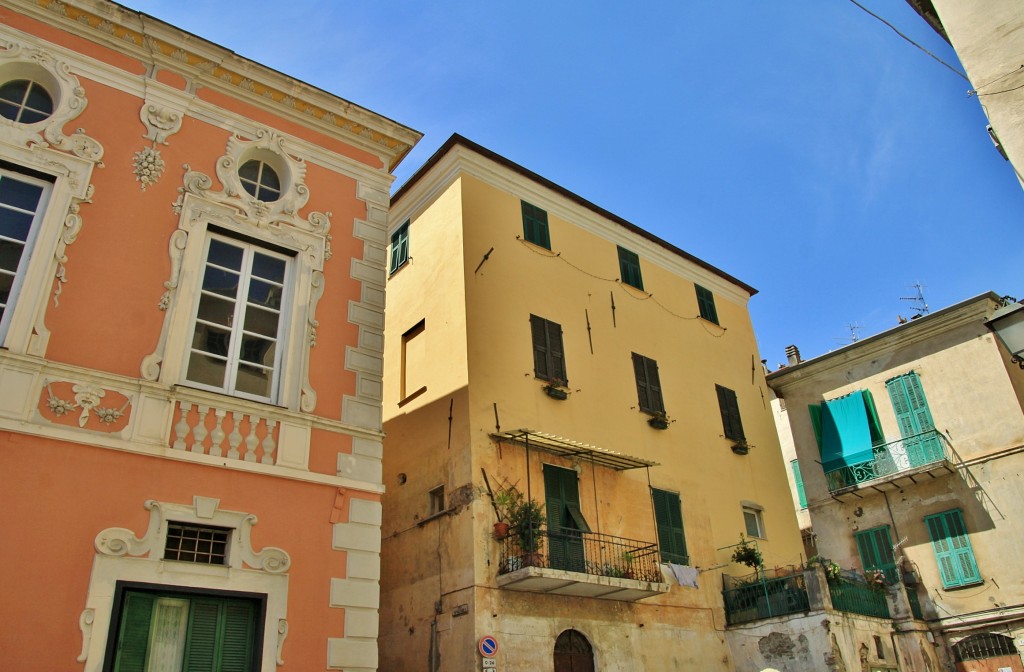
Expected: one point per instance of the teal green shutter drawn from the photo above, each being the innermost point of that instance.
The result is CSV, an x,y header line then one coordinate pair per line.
x,y
629,268
399,247
201,652
668,515
815,412
133,639
875,548
239,620
914,418
706,304
952,547
798,479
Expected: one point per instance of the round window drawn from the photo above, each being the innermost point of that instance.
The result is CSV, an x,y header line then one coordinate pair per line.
x,y
25,101
260,180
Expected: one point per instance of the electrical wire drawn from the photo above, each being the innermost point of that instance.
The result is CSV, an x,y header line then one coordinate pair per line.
x,y
895,30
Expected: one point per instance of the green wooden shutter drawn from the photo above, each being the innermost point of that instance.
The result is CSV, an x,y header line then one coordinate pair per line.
x,y
555,352
668,515
565,520
729,407
952,547
706,304
798,479
133,639
640,371
201,648
654,386
239,621
399,247
914,418
629,268
815,412
535,225
540,348
875,548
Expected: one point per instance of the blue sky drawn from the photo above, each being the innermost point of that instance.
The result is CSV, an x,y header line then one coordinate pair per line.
x,y
801,146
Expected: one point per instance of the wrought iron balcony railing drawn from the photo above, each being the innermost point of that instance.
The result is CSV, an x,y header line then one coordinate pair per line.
x,y
858,598
760,597
893,459
584,552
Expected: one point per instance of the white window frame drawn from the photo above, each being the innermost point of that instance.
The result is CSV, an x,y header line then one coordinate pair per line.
x,y
26,255
757,512
234,356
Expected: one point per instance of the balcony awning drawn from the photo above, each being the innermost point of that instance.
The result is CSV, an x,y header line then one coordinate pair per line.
x,y
569,448
849,429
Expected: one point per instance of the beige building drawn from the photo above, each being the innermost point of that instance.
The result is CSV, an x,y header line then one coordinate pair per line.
x,y
988,38
910,445
541,349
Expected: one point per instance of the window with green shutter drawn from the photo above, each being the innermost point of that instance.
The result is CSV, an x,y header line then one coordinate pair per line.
x,y
535,226
798,480
399,247
648,384
914,419
706,304
548,353
668,514
629,268
732,426
566,524
875,548
169,631
952,547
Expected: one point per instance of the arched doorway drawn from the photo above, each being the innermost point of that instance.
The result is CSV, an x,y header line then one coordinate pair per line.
x,y
987,652
573,653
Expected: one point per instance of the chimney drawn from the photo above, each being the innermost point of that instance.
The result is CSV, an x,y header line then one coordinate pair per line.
x,y
793,355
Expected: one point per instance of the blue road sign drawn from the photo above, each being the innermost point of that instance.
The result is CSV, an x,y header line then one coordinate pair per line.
x,y
488,646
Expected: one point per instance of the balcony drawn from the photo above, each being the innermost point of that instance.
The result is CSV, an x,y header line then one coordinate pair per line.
x,y
581,564
856,597
759,597
895,464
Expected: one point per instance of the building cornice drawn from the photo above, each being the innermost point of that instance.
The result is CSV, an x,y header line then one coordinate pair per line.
x,y
459,155
205,64
971,311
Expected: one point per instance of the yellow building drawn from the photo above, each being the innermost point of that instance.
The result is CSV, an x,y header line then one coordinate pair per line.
x,y
538,347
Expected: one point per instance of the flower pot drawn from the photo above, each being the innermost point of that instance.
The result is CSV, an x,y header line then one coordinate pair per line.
x,y
500,530
658,423
556,393
740,449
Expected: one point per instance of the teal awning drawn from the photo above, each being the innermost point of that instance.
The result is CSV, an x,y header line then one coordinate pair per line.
x,y
849,429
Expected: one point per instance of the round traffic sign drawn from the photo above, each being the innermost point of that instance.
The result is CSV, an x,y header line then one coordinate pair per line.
x,y
488,646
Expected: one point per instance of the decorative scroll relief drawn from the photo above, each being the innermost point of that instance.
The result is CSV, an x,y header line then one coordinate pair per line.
x,y
269,147
161,122
19,61
118,541
86,405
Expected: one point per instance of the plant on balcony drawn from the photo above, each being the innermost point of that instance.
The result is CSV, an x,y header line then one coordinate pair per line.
x,y
748,555
525,517
556,389
659,420
875,579
832,570
502,500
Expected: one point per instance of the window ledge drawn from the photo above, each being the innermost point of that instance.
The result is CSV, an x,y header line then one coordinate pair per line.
x,y
972,584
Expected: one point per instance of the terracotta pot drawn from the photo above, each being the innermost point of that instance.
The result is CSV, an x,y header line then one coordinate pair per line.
x,y
500,530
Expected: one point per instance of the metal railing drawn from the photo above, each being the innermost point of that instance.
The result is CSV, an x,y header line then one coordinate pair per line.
x,y
858,598
892,459
584,552
761,597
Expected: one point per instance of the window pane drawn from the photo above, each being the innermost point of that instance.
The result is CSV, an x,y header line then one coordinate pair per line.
x,y
264,294
263,322
15,225
221,282
750,520
10,256
268,194
253,380
269,178
18,194
268,268
250,170
211,339
225,255
9,110
206,370
39,100
257,350
6,282
216,310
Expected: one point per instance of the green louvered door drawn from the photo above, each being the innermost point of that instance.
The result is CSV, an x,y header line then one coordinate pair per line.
x,y
915,419
668,514
565,520
875,548
186,633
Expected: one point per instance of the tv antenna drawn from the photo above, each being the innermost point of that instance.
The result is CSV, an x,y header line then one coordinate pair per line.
x,y
854,328
919,305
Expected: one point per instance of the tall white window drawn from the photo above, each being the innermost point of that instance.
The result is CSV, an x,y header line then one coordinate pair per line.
x,y
239,320
22,202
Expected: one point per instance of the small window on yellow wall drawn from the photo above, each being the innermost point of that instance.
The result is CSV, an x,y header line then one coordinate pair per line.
x,y
414,357
437,500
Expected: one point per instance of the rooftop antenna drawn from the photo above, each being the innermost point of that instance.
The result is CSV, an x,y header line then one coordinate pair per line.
x,y
854,328
919,305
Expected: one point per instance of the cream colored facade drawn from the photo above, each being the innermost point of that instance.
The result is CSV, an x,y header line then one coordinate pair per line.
x,y
462,398
988,38
973,394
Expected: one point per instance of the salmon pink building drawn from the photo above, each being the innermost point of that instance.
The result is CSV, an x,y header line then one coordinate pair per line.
x,y
192,268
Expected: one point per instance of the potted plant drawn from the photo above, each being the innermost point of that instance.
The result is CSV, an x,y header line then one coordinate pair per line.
x,y
525,518
658,420
745,554
741,447
502,500
555,389
875,579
